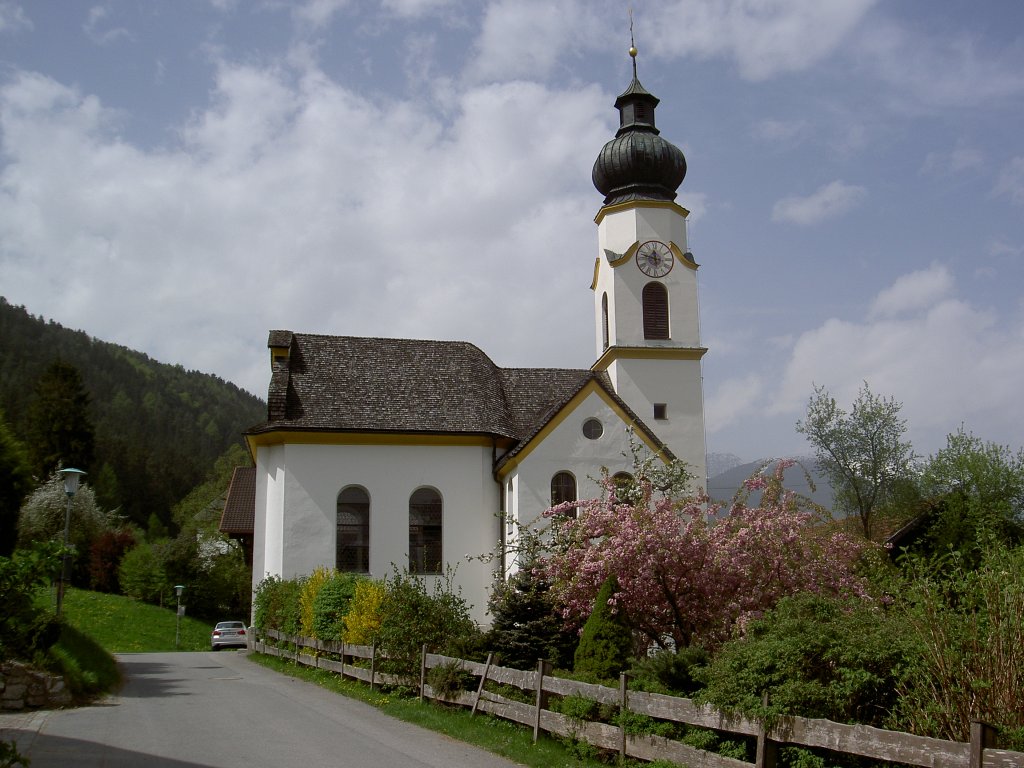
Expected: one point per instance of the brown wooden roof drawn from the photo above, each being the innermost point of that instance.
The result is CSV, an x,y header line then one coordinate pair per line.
x,y
239,515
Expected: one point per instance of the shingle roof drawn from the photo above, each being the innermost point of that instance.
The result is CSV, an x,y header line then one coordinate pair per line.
x,y
239,514
359,384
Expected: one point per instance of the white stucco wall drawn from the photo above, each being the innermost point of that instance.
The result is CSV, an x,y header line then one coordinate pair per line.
x,y
312,476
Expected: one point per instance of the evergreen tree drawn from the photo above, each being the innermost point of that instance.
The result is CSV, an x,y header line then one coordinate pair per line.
x,y
14,479
606,643
60,428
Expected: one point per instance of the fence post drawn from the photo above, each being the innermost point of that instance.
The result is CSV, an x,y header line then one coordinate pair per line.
x,y
373,666
423,671
483,679
767,750
983,736
623,708
543,668
343,660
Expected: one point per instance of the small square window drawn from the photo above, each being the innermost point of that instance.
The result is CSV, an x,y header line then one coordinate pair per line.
x,y
660,411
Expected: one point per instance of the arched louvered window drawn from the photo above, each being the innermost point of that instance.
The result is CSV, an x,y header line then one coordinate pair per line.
x,y
425,513
604,319
563,489
352,544
655,299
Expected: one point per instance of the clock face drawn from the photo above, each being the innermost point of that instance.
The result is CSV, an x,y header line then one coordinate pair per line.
x,y
654,258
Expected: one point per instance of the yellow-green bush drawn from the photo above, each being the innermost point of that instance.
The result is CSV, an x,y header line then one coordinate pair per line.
x,y
362,622
307,598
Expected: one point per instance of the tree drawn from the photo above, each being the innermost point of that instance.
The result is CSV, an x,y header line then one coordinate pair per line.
x,y
42,519
14,482
60,428
976,490
606,643
862,453
690,572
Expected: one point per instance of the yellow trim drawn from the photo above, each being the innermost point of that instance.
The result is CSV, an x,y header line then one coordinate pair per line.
x,y
647,353
563,414
597,270
303,437
615,208
681,259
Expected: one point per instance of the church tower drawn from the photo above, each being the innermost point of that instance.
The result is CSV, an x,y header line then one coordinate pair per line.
x,y
645,281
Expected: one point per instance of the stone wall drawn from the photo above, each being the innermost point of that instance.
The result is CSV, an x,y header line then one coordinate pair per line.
x,y
22,687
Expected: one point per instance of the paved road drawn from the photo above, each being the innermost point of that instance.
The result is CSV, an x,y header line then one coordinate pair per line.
x,y
220,709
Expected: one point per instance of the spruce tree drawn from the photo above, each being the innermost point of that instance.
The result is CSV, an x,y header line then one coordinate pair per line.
x,y
606,644
60,428
14,481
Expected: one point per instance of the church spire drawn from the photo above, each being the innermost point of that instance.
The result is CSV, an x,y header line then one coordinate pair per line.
x,y
638,164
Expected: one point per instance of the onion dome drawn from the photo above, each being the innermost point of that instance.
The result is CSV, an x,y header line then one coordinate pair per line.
x,y
638,164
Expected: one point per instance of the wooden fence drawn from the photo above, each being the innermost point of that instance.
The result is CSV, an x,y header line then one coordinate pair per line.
x,y
539,684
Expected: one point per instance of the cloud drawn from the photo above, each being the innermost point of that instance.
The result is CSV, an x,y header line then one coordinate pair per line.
x,y
294,202
958,160
13,18
934,353
827,202
783,132
527,38
913,293
1011,181
734,401
97,14
765,39
934,72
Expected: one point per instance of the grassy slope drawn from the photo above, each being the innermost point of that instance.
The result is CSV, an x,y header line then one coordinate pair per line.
x,y
123,625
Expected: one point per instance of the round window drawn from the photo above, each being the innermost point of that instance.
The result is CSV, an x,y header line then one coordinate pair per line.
x,y
592,429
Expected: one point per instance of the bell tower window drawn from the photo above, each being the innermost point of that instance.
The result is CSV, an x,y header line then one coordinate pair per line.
x,y
655,301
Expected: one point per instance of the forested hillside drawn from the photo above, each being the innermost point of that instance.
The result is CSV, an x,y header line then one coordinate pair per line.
x,y
158,428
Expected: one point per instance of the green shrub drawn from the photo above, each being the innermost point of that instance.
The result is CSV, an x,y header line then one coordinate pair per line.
x,y
449,680
606,644
277,605
525,625
332,602
670,673
307,598
411,618
815,657
141,574
25,628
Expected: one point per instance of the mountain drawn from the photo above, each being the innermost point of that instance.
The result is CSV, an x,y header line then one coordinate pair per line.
x,y
723,487
158,428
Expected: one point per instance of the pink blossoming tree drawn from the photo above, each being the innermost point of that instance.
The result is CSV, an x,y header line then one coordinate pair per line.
x,y
690,572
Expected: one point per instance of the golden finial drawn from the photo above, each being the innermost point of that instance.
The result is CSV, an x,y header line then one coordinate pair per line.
x,y
632,43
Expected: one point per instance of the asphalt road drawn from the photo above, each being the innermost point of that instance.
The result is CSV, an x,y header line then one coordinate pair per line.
x,y
220,709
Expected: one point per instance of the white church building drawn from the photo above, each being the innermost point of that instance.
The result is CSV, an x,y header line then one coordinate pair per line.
x,y
417,453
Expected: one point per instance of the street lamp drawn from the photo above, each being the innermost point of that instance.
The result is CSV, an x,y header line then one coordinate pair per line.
x,y
71,478
178,589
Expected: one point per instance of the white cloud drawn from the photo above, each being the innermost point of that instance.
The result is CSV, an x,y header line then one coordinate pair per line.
x,y
293,202
935,357
827,202
913,293
318,13
783,132
732,402
1011,181
962,158
93,27
526,38
937,72
764,37
13,18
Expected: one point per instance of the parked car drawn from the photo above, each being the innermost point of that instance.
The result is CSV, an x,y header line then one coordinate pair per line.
x,y
228,633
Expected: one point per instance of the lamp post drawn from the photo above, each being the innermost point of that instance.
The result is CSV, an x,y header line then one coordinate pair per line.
x,y
71,478
178,589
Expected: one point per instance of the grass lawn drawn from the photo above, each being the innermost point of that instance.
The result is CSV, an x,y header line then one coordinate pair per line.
x,y
123,625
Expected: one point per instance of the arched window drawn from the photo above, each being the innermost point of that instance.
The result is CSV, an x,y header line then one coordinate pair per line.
x,y
352,543
655,298
604,319
563,489
425,531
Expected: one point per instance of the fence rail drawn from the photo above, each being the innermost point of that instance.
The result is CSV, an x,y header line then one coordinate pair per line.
x,y
539,684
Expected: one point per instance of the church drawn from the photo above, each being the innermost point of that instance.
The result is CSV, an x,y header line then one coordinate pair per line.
x,y
425,454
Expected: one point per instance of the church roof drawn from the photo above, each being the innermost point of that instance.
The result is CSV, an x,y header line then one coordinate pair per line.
x,y
239,513
360,384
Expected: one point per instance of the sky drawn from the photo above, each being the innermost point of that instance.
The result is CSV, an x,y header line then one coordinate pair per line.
x,y
182,176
